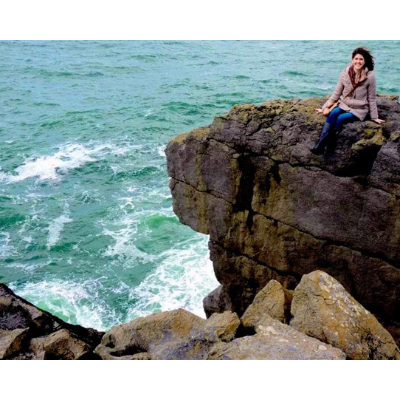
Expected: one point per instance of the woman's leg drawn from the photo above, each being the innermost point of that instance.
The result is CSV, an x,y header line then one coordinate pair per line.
x,y
334,115
326,130
344,118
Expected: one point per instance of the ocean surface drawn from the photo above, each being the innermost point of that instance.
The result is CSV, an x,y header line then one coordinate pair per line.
x,y
87,230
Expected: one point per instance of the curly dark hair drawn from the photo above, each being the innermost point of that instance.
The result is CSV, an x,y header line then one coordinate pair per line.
x,y
368,57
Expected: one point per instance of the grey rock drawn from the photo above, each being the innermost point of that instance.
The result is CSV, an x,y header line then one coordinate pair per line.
x,y
217,301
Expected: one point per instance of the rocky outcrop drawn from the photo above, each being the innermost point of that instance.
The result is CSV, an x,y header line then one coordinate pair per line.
x,y
170,335
181,335
322,308
327,324
29,333
274,210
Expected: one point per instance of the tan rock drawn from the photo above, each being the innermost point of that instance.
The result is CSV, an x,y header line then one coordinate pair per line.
x,y
220,327
322,308
273,300
168,335
60,345
11,341
275,341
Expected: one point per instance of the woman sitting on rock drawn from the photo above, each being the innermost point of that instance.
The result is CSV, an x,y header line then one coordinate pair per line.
x,y
355,95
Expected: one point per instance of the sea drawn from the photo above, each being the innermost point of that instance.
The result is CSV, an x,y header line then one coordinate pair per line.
x,y
87,230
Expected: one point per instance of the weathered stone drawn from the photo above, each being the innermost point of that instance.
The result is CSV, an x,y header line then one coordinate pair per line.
x,y
385,172
217,301
60,345
321,308
170,335
22,323
201,212
273,300
275,341
243,277
11,342
274,210
219,327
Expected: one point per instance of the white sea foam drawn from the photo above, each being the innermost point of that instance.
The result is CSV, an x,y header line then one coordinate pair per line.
x,y
72,301
69,157
55,228
123,242
182,280
3,177
127,202
6,248
161,151
49,167
27,267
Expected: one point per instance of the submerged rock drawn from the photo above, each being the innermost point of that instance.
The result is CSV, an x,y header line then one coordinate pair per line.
x,y
323,309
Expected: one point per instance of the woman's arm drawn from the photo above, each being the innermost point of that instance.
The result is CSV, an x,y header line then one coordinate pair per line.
x,y
373,110
335,95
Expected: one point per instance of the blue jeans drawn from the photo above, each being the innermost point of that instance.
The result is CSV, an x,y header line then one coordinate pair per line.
x,y
337,117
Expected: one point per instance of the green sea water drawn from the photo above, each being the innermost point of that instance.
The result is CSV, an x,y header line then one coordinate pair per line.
x,y
87,230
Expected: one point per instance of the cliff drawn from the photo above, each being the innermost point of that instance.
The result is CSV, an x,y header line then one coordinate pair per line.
x,y
291,234
274,210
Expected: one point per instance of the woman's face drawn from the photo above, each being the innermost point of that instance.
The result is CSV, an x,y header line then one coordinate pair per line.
x,y
358,62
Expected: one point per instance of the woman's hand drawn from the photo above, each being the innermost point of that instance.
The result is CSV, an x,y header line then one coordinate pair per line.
x,y
379,121
318,110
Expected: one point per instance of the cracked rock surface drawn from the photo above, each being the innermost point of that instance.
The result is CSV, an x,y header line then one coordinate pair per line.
x,y
274,210
322,308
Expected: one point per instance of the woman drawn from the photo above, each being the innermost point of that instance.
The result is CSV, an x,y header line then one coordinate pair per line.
x,y
356,93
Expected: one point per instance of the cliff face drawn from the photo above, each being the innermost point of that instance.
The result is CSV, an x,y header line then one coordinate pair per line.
x,y
274,210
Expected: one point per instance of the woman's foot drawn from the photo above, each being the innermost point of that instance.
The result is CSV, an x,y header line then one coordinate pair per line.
x,y
317,149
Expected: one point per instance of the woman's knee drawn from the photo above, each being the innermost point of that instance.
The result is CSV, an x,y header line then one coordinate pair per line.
x,y
334,115
344,118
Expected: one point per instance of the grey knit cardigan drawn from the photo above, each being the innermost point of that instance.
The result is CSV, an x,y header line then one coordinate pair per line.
x,y
363,99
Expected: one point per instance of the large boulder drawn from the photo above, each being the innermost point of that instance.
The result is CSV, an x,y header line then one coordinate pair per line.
x,y
169,335
323,309
275,341
60,345
274,210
